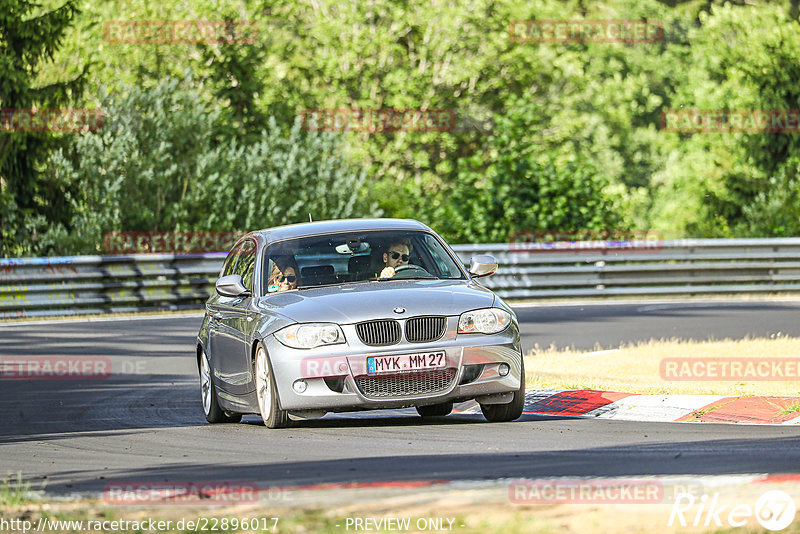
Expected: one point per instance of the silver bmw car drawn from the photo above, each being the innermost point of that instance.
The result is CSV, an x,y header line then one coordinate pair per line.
x,y
347,315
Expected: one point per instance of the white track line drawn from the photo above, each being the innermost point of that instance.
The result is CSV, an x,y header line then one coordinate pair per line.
x,y
101,319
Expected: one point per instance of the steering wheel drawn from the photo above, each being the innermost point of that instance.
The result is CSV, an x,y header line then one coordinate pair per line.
x,y
409,270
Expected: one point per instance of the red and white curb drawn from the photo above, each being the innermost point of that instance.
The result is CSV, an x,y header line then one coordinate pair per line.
x,y
660,408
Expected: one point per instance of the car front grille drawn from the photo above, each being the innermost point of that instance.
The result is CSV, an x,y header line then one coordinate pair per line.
x,y
406,384
425,329
379,333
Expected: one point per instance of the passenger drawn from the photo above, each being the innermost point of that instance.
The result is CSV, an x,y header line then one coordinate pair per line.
x,y
284,275
396,255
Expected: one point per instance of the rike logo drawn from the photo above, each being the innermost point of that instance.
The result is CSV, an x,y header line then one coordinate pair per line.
x,y
774,510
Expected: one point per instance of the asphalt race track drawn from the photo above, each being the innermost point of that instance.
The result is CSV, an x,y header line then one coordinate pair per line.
x,y
588,325
145,422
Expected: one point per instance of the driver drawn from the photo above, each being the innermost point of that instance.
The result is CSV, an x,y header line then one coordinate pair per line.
x,y
395,256
284,275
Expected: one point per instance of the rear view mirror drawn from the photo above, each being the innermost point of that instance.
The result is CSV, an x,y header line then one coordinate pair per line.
x,y
232,286
482,265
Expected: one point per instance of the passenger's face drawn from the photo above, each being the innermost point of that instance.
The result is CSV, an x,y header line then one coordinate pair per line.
x,y
283,280
396,256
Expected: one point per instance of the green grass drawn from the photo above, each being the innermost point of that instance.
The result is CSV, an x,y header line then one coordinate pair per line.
x,y
700,413
791,409
636,367
14,493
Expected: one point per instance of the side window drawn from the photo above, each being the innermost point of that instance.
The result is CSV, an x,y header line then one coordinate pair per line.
x,y
266,274
444,263
230,261
246,261
432,247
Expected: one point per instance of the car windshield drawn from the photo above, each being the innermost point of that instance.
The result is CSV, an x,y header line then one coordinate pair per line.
x,y
356,257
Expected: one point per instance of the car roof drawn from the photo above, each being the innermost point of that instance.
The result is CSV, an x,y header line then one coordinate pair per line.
x,y
341,225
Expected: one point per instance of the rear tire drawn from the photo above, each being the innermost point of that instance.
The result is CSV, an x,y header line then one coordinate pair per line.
x,y
267,392
501,413
435,410
214,413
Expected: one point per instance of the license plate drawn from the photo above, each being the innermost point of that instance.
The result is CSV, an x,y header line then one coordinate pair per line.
x,y
406,362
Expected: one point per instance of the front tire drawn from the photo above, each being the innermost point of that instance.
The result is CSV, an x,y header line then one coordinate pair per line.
x,y
435,410
267,392
501,413
214,413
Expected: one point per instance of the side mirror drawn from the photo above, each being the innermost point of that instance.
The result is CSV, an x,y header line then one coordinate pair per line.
x,y
482,265
232,286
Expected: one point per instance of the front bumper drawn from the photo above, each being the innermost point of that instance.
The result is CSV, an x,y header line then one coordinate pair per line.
x,y
337,380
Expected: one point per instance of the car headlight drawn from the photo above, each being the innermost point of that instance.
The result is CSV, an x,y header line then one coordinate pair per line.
x,y
310,335
485,321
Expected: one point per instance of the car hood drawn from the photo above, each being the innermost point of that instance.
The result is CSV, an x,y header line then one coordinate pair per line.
x,y
351,303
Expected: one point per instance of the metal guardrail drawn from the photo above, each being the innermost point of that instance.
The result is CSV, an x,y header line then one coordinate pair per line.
x,y
100,284
682,266
31,287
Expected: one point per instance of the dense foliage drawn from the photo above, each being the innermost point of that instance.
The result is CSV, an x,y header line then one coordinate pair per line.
x,y
29,202
548,136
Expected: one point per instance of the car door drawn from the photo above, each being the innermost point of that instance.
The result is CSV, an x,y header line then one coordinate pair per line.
x,y
215,306
232,327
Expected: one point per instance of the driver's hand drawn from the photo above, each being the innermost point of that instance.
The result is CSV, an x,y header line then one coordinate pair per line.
x,y
387,272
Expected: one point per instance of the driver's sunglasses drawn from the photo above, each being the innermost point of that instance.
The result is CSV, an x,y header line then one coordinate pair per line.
x,y
396,255
291,278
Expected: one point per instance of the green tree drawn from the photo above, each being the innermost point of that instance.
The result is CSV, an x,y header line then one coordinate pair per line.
x,y
520,188
236,86
587,108
775,211
158,164
29,202
744,57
